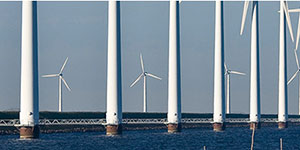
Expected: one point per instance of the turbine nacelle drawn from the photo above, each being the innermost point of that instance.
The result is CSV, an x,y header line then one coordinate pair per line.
x,y
228,72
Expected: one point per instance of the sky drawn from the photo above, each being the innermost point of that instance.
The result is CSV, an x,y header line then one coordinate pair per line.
x,y
78,30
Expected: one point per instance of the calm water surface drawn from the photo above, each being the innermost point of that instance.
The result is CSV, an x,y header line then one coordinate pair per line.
x,y
266,138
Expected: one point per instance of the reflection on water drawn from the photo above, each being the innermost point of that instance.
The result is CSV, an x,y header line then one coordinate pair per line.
x,y
232,138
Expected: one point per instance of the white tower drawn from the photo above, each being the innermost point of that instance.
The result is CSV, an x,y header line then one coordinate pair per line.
x,y
219,87
174,87
282,85
29,99
255,71
114,82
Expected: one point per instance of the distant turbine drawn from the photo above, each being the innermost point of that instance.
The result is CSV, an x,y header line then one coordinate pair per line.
x,y
227,73
254,67
282,81
295,52
144,74
60,78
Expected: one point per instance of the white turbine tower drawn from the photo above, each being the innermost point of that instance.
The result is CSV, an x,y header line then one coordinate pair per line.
x,y
174,79
282,85
144,75
296,56
219,88
60,80
227,74
29,94
255,71
114,77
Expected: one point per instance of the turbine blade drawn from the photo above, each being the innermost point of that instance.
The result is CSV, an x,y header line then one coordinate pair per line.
x,y
225,66
153,76
63,66
142,62
50,75
288,19
246,5
294,10
138,78
293,77
66,84
298,33
236,72
296,57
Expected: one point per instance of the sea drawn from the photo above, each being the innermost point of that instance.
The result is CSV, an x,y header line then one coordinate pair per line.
x,y
235,138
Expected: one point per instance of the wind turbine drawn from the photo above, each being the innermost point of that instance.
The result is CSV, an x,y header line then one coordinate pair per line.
x,y
114,70
174,77
254,73
219,89
29,91
60,80
282,82
144,74
296,56
227,74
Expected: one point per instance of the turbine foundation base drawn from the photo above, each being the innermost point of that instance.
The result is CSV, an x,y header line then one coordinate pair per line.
x,y
255,125
218,126
282,125
173,127
29,132
114,129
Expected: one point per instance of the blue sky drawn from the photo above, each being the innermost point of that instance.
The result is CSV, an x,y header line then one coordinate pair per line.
x,y
78,30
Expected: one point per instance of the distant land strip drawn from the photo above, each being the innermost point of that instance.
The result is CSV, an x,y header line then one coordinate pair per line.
x,y
126,115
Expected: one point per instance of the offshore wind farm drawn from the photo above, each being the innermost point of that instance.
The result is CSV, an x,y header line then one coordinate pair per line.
x,y
192,53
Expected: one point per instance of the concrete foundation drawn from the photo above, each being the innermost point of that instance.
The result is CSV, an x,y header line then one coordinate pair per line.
x,y
29,132
218,126
255,125
282,125
114,129
172,128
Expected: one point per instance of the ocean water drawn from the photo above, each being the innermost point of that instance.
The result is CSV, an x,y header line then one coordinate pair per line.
x,y
266,138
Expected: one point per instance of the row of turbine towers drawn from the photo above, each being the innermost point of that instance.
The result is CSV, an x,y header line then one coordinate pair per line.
x,y
29,117
219,94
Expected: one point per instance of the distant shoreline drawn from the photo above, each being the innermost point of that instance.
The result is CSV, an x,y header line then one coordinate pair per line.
x,y
48,129
127,115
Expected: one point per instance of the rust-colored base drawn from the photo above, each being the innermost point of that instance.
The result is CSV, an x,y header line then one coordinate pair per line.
x,y
255,125
282,125
27,132
114,129
172,127
219,126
